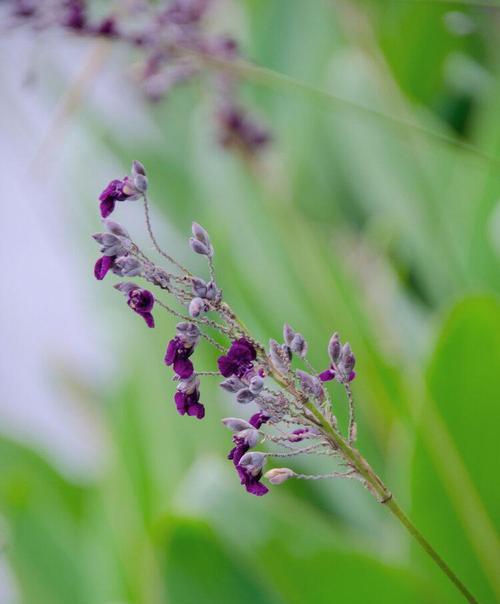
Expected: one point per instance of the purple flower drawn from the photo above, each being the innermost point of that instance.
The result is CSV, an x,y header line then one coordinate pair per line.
x,y
117,190
178,353
258,419
237,453
249,470
188,403
102,266
328,375
142,301
238,360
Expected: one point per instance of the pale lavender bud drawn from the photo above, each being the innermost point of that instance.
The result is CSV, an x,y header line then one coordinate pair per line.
x,y
279,475
249,437
347,359
125,266
116,229
212,291
235,424
310,384
244,396
199,287
232,384
126,287
334,348
140,183
256,384
200,234
189,385
288,334
253,462
196,307
198,247
279,357
112,245
138,168
188,332
298,345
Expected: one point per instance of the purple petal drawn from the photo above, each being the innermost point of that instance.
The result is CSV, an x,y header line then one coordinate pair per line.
x,y
197,410
102,266
171,351
148,317
183,368
106,207
258,419
327,375
180,402
226,366
256,488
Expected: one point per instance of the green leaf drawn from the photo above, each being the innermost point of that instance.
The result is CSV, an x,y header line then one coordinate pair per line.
x,y
456,495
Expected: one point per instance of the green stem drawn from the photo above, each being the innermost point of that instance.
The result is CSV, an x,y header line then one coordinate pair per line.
x,y
383,494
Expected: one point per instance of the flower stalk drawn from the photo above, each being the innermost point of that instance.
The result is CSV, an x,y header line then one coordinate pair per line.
x,y
289,404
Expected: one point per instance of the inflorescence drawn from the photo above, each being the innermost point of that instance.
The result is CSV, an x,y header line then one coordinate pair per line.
x,y
176,45
292,407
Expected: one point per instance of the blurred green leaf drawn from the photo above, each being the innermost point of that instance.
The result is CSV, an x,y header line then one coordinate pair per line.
x,y
464,382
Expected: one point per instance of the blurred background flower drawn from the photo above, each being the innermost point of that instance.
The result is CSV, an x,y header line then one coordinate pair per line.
x,y
348,220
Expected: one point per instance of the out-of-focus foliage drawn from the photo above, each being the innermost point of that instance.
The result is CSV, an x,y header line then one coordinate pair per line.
x,y
350,223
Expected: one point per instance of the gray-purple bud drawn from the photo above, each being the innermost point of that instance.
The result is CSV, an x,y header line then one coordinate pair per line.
x,y
232,384
256,384
347,359
198,247
250,436
189,385
334,348
279,357
245,396
126,287
288,334
212,291
112,245
196,307
199,287
116,229
253,462
200,235
235,424
125,266
188,332
140,183
310,384
298,345
138,168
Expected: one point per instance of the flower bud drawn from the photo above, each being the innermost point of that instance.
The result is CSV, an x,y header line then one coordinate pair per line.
x,y
125,266
347,359
244,396
232,384
199,287
279,475
188,333
126,287
212,291
140,183
253,462
138,168
196,307
288,334
116,229
235,424
200,234
298,345
310,384
256,384
279,357
249,437
198,247
334,348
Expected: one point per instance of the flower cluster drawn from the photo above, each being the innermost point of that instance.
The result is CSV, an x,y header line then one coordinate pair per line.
x,y
289,405
176,48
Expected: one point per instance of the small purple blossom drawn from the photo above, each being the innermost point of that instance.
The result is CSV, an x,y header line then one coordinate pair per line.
x,y
177,355
102,266
188,403
238,360
258,419
142,301
249,469
117,190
